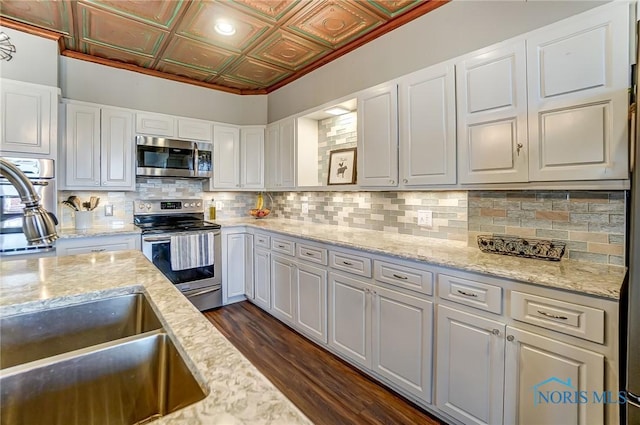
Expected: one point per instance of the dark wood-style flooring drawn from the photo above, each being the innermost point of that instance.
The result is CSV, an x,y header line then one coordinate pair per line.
x,y
324,387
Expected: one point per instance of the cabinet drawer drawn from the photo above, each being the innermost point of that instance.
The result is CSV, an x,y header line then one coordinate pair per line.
x,y
312,253
403,276
572,319
471,293
283,246
262,241
350,263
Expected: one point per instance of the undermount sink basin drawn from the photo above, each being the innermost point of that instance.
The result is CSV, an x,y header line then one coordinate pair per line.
x,y
123,369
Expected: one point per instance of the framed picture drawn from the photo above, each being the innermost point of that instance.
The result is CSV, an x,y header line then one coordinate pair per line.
x,y
342,166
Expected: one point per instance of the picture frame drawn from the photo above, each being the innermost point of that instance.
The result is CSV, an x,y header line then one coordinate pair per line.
x,y
342,167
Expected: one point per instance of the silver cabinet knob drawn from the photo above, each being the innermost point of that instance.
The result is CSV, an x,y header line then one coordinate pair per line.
x,y
518,147
405,181
392,182
496,332
510,338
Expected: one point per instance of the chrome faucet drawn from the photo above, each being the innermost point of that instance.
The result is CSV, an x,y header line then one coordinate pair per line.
x,y
38,224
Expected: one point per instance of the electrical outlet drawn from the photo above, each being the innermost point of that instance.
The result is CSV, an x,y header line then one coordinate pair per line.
x,y
219,205
108,210
425,218
305,208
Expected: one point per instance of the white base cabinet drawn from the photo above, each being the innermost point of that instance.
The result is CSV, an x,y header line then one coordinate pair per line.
x,y
311,301
283,290
96,244
262,279
237,271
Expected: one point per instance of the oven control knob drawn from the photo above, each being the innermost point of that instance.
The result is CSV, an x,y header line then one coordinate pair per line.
x,y
148,206
141,206
198,204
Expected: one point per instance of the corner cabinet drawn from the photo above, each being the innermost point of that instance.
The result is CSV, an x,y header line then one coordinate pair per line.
x,y
281,154
98,151
29,122
427,108
378,136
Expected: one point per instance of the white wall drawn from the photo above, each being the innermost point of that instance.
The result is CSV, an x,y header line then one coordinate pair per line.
x,y
35,60
454,29
97,83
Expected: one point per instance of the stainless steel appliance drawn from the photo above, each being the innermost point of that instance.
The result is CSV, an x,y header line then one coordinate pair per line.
x,y
162,219
13,241
158,157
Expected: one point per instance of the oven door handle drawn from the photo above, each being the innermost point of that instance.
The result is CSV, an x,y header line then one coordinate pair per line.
x,y
156,240
206,291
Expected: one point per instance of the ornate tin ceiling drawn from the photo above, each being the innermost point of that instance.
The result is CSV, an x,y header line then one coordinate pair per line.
x,y
273,41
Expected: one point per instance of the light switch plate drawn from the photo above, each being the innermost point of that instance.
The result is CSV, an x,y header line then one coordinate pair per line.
x,y
219,205
305,208
425,218
108,210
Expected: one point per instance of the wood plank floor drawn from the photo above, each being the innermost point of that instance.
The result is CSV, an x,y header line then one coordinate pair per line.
x,y
324,387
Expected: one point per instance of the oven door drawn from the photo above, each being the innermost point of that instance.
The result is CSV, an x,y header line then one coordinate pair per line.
x,y
12,239
157,248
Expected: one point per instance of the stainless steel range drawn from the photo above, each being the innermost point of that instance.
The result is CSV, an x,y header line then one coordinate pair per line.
x,y
183,246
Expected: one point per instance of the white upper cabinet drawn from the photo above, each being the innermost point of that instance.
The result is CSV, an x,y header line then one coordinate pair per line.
x,y
252,158
492,115
97,152
578,78
281,154
194,129
156,124
378,136
29,118
226,157
427,107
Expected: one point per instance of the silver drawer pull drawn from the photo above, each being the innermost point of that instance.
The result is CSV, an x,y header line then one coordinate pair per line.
x,y
346,263
467,294
397,276
552,316
98,250
309,253
280,246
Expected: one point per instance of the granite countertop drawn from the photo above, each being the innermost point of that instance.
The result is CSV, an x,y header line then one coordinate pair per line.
x,y
237,392
97,230
586,278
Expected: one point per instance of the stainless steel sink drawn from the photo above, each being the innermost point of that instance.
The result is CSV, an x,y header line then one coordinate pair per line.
x,y
32,336
126,371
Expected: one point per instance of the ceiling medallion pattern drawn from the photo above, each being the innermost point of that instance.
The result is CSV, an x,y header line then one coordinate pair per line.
x,y
273,42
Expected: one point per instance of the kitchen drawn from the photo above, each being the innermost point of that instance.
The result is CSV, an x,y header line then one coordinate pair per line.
x,y
591,217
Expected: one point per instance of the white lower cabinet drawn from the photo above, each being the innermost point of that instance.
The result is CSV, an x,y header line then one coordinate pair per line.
x,y
237,273
283,288
350,318
311,301
470,367
96,244
539,369
262,278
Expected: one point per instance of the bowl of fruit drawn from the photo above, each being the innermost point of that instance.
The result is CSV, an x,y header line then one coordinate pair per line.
x,y
260,211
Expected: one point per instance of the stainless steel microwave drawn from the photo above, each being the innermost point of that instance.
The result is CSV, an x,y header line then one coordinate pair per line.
x,y
159,157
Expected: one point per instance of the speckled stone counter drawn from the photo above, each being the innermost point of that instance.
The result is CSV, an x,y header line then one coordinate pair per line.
x,y
237,392
586,278
72,232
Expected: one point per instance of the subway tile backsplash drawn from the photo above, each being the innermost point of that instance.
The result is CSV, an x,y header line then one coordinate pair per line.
x,y
591,223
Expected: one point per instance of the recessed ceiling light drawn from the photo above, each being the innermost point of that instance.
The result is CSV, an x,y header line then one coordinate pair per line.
x,y
337,111
225,28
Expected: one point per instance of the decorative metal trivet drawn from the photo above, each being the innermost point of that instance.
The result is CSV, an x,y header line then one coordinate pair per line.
x,y
520,247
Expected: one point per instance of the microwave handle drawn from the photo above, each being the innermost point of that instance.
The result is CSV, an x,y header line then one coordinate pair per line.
x,y
195,157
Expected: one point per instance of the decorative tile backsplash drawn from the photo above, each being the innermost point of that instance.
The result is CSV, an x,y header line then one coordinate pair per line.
x,y
591,223
338,132
389,211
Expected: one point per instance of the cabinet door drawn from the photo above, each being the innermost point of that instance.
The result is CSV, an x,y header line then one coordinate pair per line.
x,y
311,301
378,136
262,279
286,172
29,117
427,105
252,158
117,166
470,367
402,332
238,266
283,288
82,146
194,130
272,139
492,116
155,124
226,157
350,318
578,97
539,370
